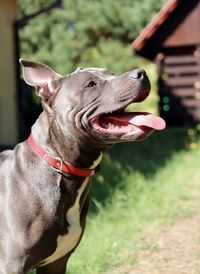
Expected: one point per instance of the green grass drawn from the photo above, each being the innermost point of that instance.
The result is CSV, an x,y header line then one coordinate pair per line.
x,y
141,186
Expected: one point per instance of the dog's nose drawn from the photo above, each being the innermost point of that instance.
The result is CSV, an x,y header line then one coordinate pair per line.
x,y
138,74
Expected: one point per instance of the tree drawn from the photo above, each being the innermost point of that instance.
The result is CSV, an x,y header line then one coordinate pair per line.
x,y
85,32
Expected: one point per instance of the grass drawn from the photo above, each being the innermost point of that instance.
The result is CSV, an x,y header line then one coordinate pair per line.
x,y
142,186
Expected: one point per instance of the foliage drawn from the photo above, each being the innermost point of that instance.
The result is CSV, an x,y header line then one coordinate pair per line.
x,y
85,32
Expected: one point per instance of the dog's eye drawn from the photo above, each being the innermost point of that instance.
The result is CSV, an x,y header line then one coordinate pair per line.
x,y
91,84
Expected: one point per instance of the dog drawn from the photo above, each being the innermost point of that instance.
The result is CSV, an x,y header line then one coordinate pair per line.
x,y
45,180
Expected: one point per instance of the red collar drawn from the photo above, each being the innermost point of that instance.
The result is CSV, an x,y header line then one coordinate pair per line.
x,y
56,162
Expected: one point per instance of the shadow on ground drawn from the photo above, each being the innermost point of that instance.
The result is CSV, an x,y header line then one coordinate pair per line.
x,y
145,157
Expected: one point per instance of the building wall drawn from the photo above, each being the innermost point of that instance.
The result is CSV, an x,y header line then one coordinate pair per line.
x,y
186,20
8,108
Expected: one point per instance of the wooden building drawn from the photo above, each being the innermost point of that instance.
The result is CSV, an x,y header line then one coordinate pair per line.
x,y
172,41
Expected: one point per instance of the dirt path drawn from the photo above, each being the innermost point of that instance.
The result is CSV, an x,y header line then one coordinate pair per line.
x,y
174,250
177,250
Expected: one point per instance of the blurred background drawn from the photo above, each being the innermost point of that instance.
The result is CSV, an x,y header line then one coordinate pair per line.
x,y
163,38
119,35
64,35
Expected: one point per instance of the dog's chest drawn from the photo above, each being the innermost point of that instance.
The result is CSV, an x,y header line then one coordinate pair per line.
x,y
66,243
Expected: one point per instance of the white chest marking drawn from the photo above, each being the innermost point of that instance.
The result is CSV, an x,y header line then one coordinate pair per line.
x,y
97,161
67,242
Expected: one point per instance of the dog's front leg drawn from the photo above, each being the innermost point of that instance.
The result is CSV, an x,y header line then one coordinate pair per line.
x,y
57,267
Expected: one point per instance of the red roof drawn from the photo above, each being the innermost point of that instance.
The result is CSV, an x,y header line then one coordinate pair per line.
x,y
155,23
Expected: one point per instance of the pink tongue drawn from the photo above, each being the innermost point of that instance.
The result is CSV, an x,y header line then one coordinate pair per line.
x,y
148,120
139,119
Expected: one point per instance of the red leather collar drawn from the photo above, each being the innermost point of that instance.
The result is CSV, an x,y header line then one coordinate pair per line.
x,y
56,162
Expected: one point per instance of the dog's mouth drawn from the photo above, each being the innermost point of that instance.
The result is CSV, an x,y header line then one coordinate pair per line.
x,y
119,125
123,125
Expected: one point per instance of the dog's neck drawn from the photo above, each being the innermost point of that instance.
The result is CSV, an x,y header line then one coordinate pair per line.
x,y
80,152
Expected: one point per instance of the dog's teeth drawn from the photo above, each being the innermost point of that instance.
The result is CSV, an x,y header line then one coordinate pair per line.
x,y
114,127
110,125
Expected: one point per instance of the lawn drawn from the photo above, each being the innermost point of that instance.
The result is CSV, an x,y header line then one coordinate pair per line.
x,y
141,186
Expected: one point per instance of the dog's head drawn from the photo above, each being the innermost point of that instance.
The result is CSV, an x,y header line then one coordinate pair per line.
x,y
94,101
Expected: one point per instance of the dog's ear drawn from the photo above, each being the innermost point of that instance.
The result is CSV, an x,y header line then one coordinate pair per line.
x,y
42,77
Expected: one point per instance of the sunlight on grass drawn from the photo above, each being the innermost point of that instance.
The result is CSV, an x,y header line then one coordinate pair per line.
x,y
143,201
142,186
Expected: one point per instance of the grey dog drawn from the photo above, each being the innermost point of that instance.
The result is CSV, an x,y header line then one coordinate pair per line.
x,y
45,181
